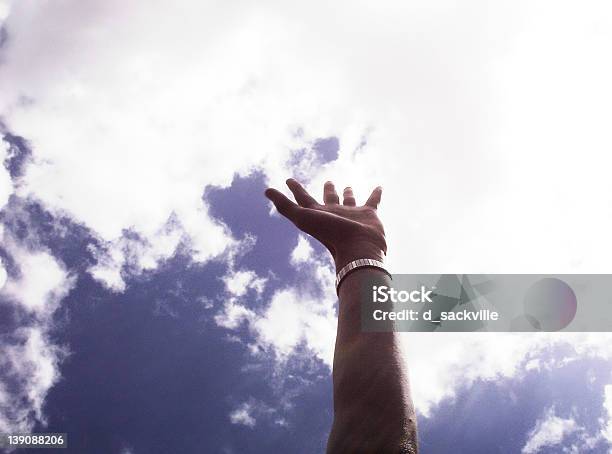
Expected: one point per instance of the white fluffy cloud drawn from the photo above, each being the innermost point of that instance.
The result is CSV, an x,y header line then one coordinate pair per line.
x,y
440,364
303,251
486,124
5,6
28,359
242,415
239,282
607,428
6,185
549,431
3,275
42,284
250,412
132,121
590,440
294,317
32,365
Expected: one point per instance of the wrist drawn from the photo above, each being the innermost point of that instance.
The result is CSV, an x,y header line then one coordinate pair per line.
x,y
358,251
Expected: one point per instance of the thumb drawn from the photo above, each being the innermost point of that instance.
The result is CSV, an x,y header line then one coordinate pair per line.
x,y
284,206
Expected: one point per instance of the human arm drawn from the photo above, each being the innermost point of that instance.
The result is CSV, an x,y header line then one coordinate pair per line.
x,y
373,410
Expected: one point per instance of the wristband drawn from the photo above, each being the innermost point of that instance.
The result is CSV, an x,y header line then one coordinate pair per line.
x,y
355,264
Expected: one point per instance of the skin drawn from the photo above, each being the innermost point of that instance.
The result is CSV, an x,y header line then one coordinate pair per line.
x,y
373,411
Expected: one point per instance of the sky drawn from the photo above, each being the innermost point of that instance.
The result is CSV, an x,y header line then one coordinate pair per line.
x,y
153,301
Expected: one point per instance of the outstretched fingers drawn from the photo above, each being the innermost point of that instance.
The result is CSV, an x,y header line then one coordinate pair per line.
x,y
284,206
374,198
301,195
349,198
330,197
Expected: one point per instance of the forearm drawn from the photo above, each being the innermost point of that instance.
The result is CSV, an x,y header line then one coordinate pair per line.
x,y
372,407
373,410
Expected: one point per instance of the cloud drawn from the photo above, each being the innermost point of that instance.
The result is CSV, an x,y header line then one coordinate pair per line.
x,y
442,363
292,319
252,411
5,6
29,360
607,427
590,440
42,282
294,316
149,144
6,185
129,123
239,282
303,251
549,431
139,253
242,415
233,314
30,368
3,275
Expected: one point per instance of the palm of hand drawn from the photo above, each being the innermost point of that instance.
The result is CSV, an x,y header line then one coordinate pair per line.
x,y
348,231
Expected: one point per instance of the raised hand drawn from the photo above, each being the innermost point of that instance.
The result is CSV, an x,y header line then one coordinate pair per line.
x,y
348,231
